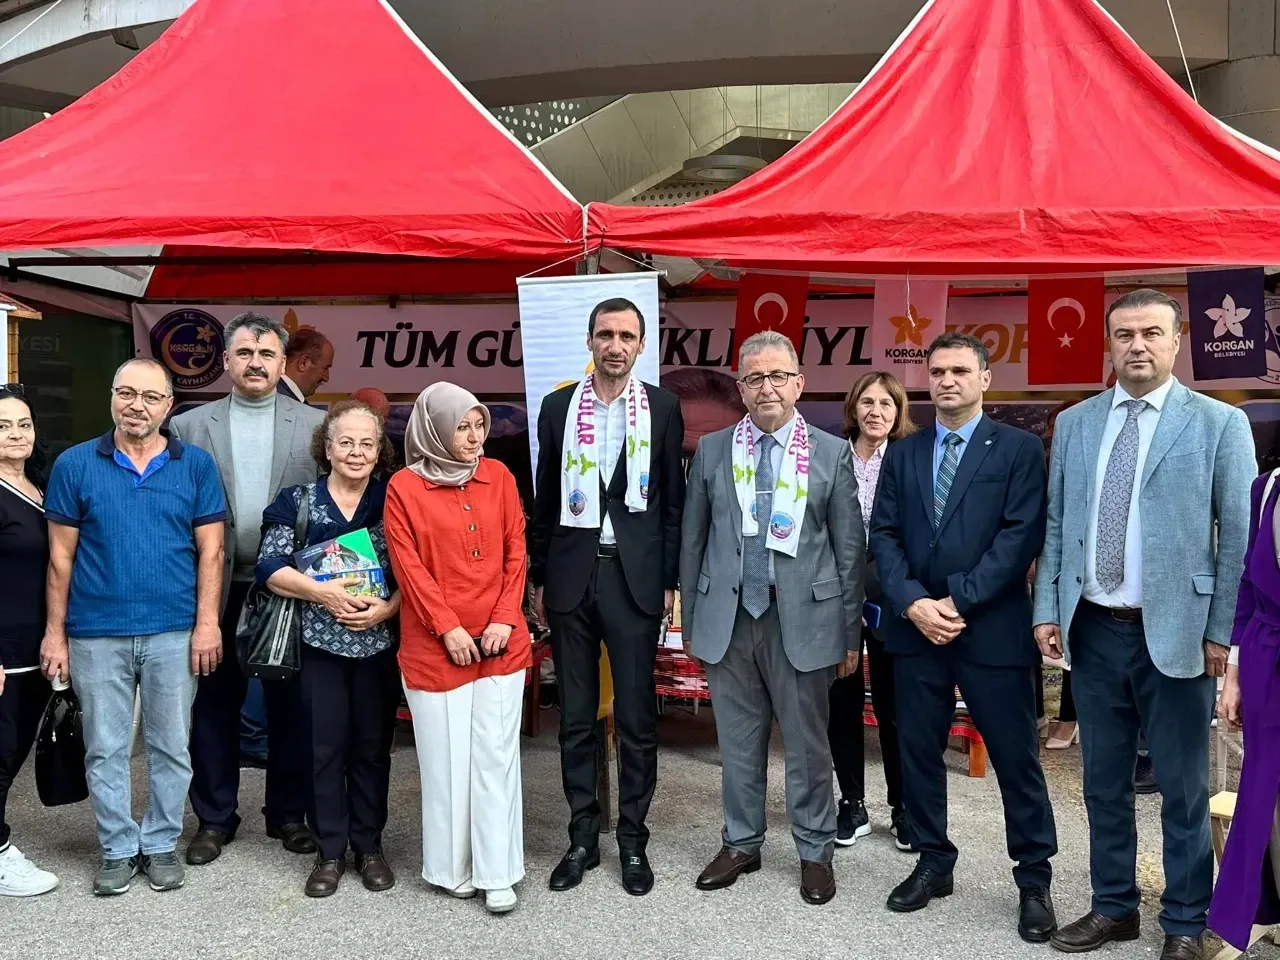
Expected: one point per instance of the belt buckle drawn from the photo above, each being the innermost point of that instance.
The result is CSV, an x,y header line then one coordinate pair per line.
x,y
1126,614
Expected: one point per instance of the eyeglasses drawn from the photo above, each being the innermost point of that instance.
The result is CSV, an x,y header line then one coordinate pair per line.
x,y
779,378
149,397
346,447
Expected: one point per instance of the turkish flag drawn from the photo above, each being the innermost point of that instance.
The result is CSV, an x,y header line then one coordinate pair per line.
x,y
769,301
1065,331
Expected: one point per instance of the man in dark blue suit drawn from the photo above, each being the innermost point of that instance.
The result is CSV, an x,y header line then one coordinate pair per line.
x,y
958,520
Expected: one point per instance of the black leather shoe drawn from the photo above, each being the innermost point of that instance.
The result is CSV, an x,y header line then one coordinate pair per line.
x,y
1036,920
1182,948
1093,930
294,837
1144,777
206,846
637,876
915,892
568,872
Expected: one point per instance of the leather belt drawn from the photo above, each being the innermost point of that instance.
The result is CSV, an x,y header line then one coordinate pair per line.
x,y
609,550
1119,614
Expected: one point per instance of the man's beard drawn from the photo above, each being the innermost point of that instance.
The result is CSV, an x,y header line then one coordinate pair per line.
x,y
136,432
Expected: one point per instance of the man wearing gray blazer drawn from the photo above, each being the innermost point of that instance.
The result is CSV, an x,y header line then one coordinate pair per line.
x,y
1148,522
261,441
770,607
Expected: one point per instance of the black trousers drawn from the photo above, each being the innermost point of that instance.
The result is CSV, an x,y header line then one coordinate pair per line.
x,y
215,739
1120,694
607,613
845,728
21,707
1002,704
350,706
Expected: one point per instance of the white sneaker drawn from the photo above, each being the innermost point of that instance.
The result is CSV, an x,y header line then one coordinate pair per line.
x,y
463,891
500,901
19,877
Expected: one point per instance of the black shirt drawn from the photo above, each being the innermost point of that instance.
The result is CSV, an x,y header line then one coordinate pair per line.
x,y
24,558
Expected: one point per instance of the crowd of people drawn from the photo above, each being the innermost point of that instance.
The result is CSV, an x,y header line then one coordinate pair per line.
x,y
951,555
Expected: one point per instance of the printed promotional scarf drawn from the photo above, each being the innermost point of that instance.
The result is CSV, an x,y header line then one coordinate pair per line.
x,y
789,494
580,481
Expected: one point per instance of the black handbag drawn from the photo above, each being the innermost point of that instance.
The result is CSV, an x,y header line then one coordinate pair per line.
x,y
269,633
60,777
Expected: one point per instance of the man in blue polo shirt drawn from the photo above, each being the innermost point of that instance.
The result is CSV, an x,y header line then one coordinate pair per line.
x,y
135,582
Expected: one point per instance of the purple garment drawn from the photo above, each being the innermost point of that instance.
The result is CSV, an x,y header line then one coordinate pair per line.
x,y
1246,890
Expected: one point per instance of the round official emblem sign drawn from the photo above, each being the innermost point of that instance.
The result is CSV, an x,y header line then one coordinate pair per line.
x,y
781,526
577,502
189,343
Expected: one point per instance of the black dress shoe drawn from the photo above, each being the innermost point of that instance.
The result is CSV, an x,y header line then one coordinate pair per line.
x,y
1182,948
915,892
206,846
1036,920
1093,930
294,837
1144,777
637,877
568,872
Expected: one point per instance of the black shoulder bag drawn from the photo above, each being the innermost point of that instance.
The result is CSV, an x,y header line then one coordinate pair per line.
x,y
269,632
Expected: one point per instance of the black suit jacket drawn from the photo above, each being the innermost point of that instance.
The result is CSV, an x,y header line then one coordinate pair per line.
x,y
991,531
562,559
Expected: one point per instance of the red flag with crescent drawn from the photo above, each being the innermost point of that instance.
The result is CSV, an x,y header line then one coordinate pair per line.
x,y
1065,331
769,301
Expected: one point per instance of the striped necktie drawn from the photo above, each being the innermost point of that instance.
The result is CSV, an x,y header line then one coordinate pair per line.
x,y
946,475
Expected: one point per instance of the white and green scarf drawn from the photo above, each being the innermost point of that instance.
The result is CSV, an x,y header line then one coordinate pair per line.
x,y
580,479
790,494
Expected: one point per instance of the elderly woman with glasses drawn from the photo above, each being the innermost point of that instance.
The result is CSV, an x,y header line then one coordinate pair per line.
x,y
24,558
456,534
349,674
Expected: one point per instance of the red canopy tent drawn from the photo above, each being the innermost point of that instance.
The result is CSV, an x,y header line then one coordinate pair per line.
x,y
997,137
280,127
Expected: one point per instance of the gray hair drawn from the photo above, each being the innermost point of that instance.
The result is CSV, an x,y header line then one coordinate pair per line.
x,y
767,340
146,362
257,324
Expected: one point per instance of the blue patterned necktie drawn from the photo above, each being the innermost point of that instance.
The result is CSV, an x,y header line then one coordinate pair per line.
x,y
755,558
1114,499
946,475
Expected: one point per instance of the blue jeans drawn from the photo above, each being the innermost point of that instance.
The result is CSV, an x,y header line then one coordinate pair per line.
x,y
105,672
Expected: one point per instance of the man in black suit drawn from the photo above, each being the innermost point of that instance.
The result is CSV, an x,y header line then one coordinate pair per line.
x,y
958,520
604,556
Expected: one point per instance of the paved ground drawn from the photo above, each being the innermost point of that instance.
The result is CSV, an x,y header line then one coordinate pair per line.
x,y
250,903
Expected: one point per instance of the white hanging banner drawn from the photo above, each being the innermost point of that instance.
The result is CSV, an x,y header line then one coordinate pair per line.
x,y
553,330
906,317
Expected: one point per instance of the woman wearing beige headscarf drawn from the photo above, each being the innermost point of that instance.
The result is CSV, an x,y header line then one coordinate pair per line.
x,y
455,532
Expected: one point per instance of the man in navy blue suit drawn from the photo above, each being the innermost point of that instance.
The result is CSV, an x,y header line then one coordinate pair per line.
x,y
958,520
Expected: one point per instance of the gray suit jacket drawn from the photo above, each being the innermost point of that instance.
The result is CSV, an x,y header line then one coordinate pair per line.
x,y
208,426
1194,503
820,589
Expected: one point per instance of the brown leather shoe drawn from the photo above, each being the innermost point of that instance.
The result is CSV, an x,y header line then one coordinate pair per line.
x,y
1093,930
375,871
1182,948
325,876
728,865
817,881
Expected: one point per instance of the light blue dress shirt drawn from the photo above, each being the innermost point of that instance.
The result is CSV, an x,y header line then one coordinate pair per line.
x,y
965,433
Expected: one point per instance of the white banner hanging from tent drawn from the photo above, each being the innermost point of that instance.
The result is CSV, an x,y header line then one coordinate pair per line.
x,y
906,316
553,326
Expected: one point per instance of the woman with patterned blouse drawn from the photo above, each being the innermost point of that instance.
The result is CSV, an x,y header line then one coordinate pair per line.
x,y
349,676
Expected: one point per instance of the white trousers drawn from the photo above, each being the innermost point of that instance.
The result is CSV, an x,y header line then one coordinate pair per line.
x,y
468,744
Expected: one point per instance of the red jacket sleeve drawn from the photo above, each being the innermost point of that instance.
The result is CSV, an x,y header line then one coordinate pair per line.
x,y
419,590
510,606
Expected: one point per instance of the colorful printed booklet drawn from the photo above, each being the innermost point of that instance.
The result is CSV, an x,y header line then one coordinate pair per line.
x,y
350,555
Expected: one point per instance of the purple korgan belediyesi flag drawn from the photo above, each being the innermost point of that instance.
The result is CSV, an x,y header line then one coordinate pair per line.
x,y
1228,323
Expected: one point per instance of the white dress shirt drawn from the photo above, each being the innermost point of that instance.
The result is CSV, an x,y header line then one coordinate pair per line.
x,y
611,422
783,436
1129,593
